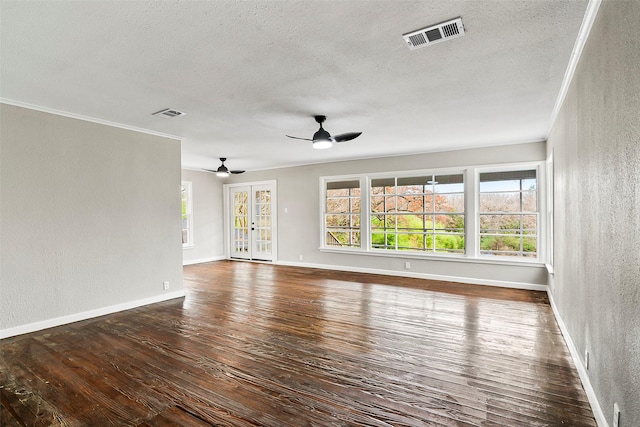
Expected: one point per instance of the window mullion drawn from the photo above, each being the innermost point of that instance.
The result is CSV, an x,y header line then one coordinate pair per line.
x,y
365,213
472,213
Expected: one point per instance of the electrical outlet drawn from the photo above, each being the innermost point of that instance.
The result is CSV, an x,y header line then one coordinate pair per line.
x,y
407,265
300,257
586,360
616,415
165,285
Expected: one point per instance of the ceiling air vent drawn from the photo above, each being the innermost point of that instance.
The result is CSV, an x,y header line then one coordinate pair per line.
x,y
168,113
434,34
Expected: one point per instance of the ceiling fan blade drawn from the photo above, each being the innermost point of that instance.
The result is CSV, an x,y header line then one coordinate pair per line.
x,y
210,170
236,172
295,137
346,136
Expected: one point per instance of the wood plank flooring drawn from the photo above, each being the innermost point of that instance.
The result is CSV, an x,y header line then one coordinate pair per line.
x,y
257,344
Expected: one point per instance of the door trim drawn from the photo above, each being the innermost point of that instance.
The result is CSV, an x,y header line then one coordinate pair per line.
x,y
274,213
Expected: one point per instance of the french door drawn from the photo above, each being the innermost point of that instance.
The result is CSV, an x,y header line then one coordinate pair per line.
x,y
252,220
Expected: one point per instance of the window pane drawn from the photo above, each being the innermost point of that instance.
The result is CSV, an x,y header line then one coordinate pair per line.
x,y
403,203
496,186
449,203
530,201
377,204
377,221
383,184
529,224
500,245
530,184
500,224
410,222
337,220
383,240
383,204
342,238
340,192
449,184
415,182
428,203
500,202
450,223
337,205
529,244
411,241
452,243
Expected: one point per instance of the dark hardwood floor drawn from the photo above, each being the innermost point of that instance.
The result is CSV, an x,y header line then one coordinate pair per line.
x,y
257,344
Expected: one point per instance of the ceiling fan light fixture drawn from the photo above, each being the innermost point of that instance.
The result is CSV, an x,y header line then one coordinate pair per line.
x,y
321,144
323,139
222,170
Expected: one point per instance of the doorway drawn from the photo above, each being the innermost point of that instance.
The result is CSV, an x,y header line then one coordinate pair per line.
x,y
252,219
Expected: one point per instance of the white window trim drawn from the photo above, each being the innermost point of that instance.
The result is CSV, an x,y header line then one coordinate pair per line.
x,y
540,196
472,207
550,191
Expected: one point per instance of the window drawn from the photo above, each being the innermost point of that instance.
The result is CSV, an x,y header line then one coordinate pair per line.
x,y
493,214
342,213
187,214
422,213
508,214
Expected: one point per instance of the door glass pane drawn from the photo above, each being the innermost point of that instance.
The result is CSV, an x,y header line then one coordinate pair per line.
x,y
262,223
240,222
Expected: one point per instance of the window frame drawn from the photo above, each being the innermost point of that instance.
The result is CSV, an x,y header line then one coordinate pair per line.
x,y
425,232
538,212
324,181
188,190
471,177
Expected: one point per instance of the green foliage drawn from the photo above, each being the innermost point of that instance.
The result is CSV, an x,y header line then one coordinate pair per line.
x,y
414,235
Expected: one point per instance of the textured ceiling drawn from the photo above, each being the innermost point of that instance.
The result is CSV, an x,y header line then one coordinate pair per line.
x,y
249,72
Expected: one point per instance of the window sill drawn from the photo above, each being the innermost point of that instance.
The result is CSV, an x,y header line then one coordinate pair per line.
x,y
430,257
188,246
549,269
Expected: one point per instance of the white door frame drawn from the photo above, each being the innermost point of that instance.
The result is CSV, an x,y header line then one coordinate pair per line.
x,y
274,214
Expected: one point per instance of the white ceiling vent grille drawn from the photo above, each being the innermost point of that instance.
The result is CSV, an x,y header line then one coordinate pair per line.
x,y
434,34
168,113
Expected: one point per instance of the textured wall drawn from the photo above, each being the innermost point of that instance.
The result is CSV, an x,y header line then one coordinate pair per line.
x,y
299,228
596,147
207,217
90,216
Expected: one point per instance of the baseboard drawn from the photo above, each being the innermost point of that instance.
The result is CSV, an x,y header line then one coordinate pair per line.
x,y
63,320
577,360
469,280
201,260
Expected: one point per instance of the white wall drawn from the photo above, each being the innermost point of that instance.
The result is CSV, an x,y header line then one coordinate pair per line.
x,y
299,229
596,147
208,224
90,217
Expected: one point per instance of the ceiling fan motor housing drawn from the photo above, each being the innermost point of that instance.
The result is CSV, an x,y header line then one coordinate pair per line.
x,y
321,135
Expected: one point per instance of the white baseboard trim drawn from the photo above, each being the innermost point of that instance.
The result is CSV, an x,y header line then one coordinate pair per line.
x,y
469,280
63,320
202,260
577,360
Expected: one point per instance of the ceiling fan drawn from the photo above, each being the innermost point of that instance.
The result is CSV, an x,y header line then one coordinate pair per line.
x,y
322,139
223,171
